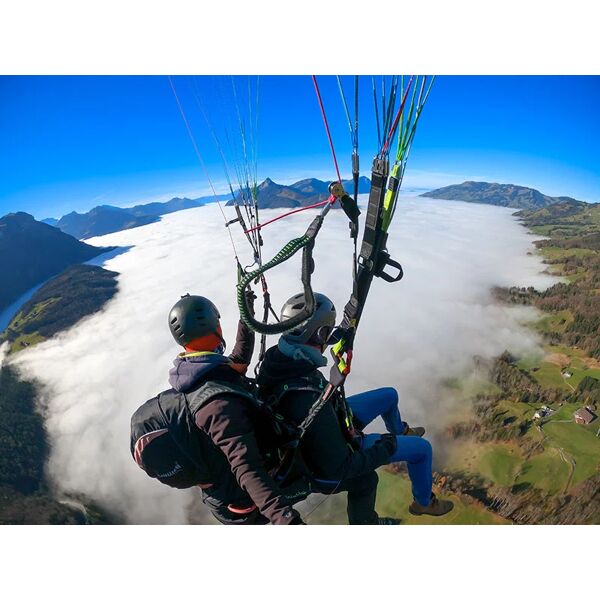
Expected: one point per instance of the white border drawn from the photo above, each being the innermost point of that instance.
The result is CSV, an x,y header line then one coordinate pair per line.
x,y
278,37
288,563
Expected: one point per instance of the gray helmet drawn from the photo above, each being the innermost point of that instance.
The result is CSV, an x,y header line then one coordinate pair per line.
x,y
318,328
193,317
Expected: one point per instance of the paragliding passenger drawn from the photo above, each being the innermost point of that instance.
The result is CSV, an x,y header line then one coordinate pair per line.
x,y
334,447
205,431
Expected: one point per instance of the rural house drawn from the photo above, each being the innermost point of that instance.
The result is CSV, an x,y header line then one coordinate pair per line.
x,y
540,413
583,416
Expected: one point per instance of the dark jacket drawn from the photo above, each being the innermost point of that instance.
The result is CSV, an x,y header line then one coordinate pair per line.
x,y
244,436
226,429
324,447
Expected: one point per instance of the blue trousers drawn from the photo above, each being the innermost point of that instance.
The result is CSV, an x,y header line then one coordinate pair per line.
x,y
413,450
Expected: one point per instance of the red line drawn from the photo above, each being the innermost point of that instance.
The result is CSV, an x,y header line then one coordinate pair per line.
x,y
331,199
335,162
400,110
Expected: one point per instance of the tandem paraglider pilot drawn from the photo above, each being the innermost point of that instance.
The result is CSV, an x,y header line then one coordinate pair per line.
x,y
207,431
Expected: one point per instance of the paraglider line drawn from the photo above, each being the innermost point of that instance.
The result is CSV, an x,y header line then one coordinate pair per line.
x,y
329,200
201,161
398,114
335,162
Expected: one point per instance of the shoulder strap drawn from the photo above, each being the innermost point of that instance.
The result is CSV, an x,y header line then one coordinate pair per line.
x,y
300,384
212,389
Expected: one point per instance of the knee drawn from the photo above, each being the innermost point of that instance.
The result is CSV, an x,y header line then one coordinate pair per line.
x,y
390,395
422,450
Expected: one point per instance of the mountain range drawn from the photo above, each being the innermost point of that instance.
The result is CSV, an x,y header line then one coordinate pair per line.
x,y
301,193
31,252
104,219
497,194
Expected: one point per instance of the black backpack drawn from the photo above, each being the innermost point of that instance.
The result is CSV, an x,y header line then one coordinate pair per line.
x,y
166,444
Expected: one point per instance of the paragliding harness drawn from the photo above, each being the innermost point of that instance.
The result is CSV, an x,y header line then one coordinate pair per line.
x,y
373,261
291,465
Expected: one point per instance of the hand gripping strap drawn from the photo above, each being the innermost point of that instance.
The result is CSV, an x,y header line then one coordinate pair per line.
x,y
306,243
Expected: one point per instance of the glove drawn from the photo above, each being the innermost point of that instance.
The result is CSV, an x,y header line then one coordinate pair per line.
x,y
389,441
250,298
297,521
296,518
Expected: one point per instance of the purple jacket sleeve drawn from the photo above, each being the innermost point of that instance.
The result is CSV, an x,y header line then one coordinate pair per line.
x,y
244,345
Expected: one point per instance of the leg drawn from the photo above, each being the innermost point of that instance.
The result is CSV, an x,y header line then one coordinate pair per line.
x,y
380,402
417,454
362,493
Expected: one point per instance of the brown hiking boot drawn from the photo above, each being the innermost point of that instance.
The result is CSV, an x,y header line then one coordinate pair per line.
x,y
416,431
436,507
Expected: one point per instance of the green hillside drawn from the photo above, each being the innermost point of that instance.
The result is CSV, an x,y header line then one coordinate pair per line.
x,y
542,469
79,291
499,194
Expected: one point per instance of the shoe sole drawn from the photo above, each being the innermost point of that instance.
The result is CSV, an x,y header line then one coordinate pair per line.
x,y
415,434
421,514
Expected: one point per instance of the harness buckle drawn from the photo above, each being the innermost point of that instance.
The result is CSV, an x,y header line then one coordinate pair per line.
x,y
337,189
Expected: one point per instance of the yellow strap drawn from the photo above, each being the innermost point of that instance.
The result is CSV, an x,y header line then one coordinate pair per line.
x,y
202,353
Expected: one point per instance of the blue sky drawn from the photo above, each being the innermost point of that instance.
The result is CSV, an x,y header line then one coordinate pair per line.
x,y
70,143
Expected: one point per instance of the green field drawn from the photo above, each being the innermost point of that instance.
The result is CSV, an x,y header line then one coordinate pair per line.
x,y
500,464
556,253
20,339
554,323
496,462
549,374
580,442
520,410
25,340
546,471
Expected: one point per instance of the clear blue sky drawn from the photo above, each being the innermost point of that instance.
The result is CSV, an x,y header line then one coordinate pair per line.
x,y
70,143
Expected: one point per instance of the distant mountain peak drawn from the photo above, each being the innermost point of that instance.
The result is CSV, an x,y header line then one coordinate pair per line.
x,y
31,252
498,194
302,193
18,216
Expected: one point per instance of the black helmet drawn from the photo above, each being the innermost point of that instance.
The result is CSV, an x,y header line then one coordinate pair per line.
x,y
318,328
193,317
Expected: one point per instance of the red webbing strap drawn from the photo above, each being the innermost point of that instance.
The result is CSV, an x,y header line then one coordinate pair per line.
x,y
335,162
292,212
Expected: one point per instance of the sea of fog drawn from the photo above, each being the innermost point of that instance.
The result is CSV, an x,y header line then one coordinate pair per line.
x,y
414,334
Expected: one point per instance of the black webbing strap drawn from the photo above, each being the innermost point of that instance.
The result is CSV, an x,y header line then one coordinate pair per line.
x,y
371,244
372,260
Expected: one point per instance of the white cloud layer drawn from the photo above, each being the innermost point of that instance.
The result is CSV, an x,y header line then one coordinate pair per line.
x,y
3,351
414,333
